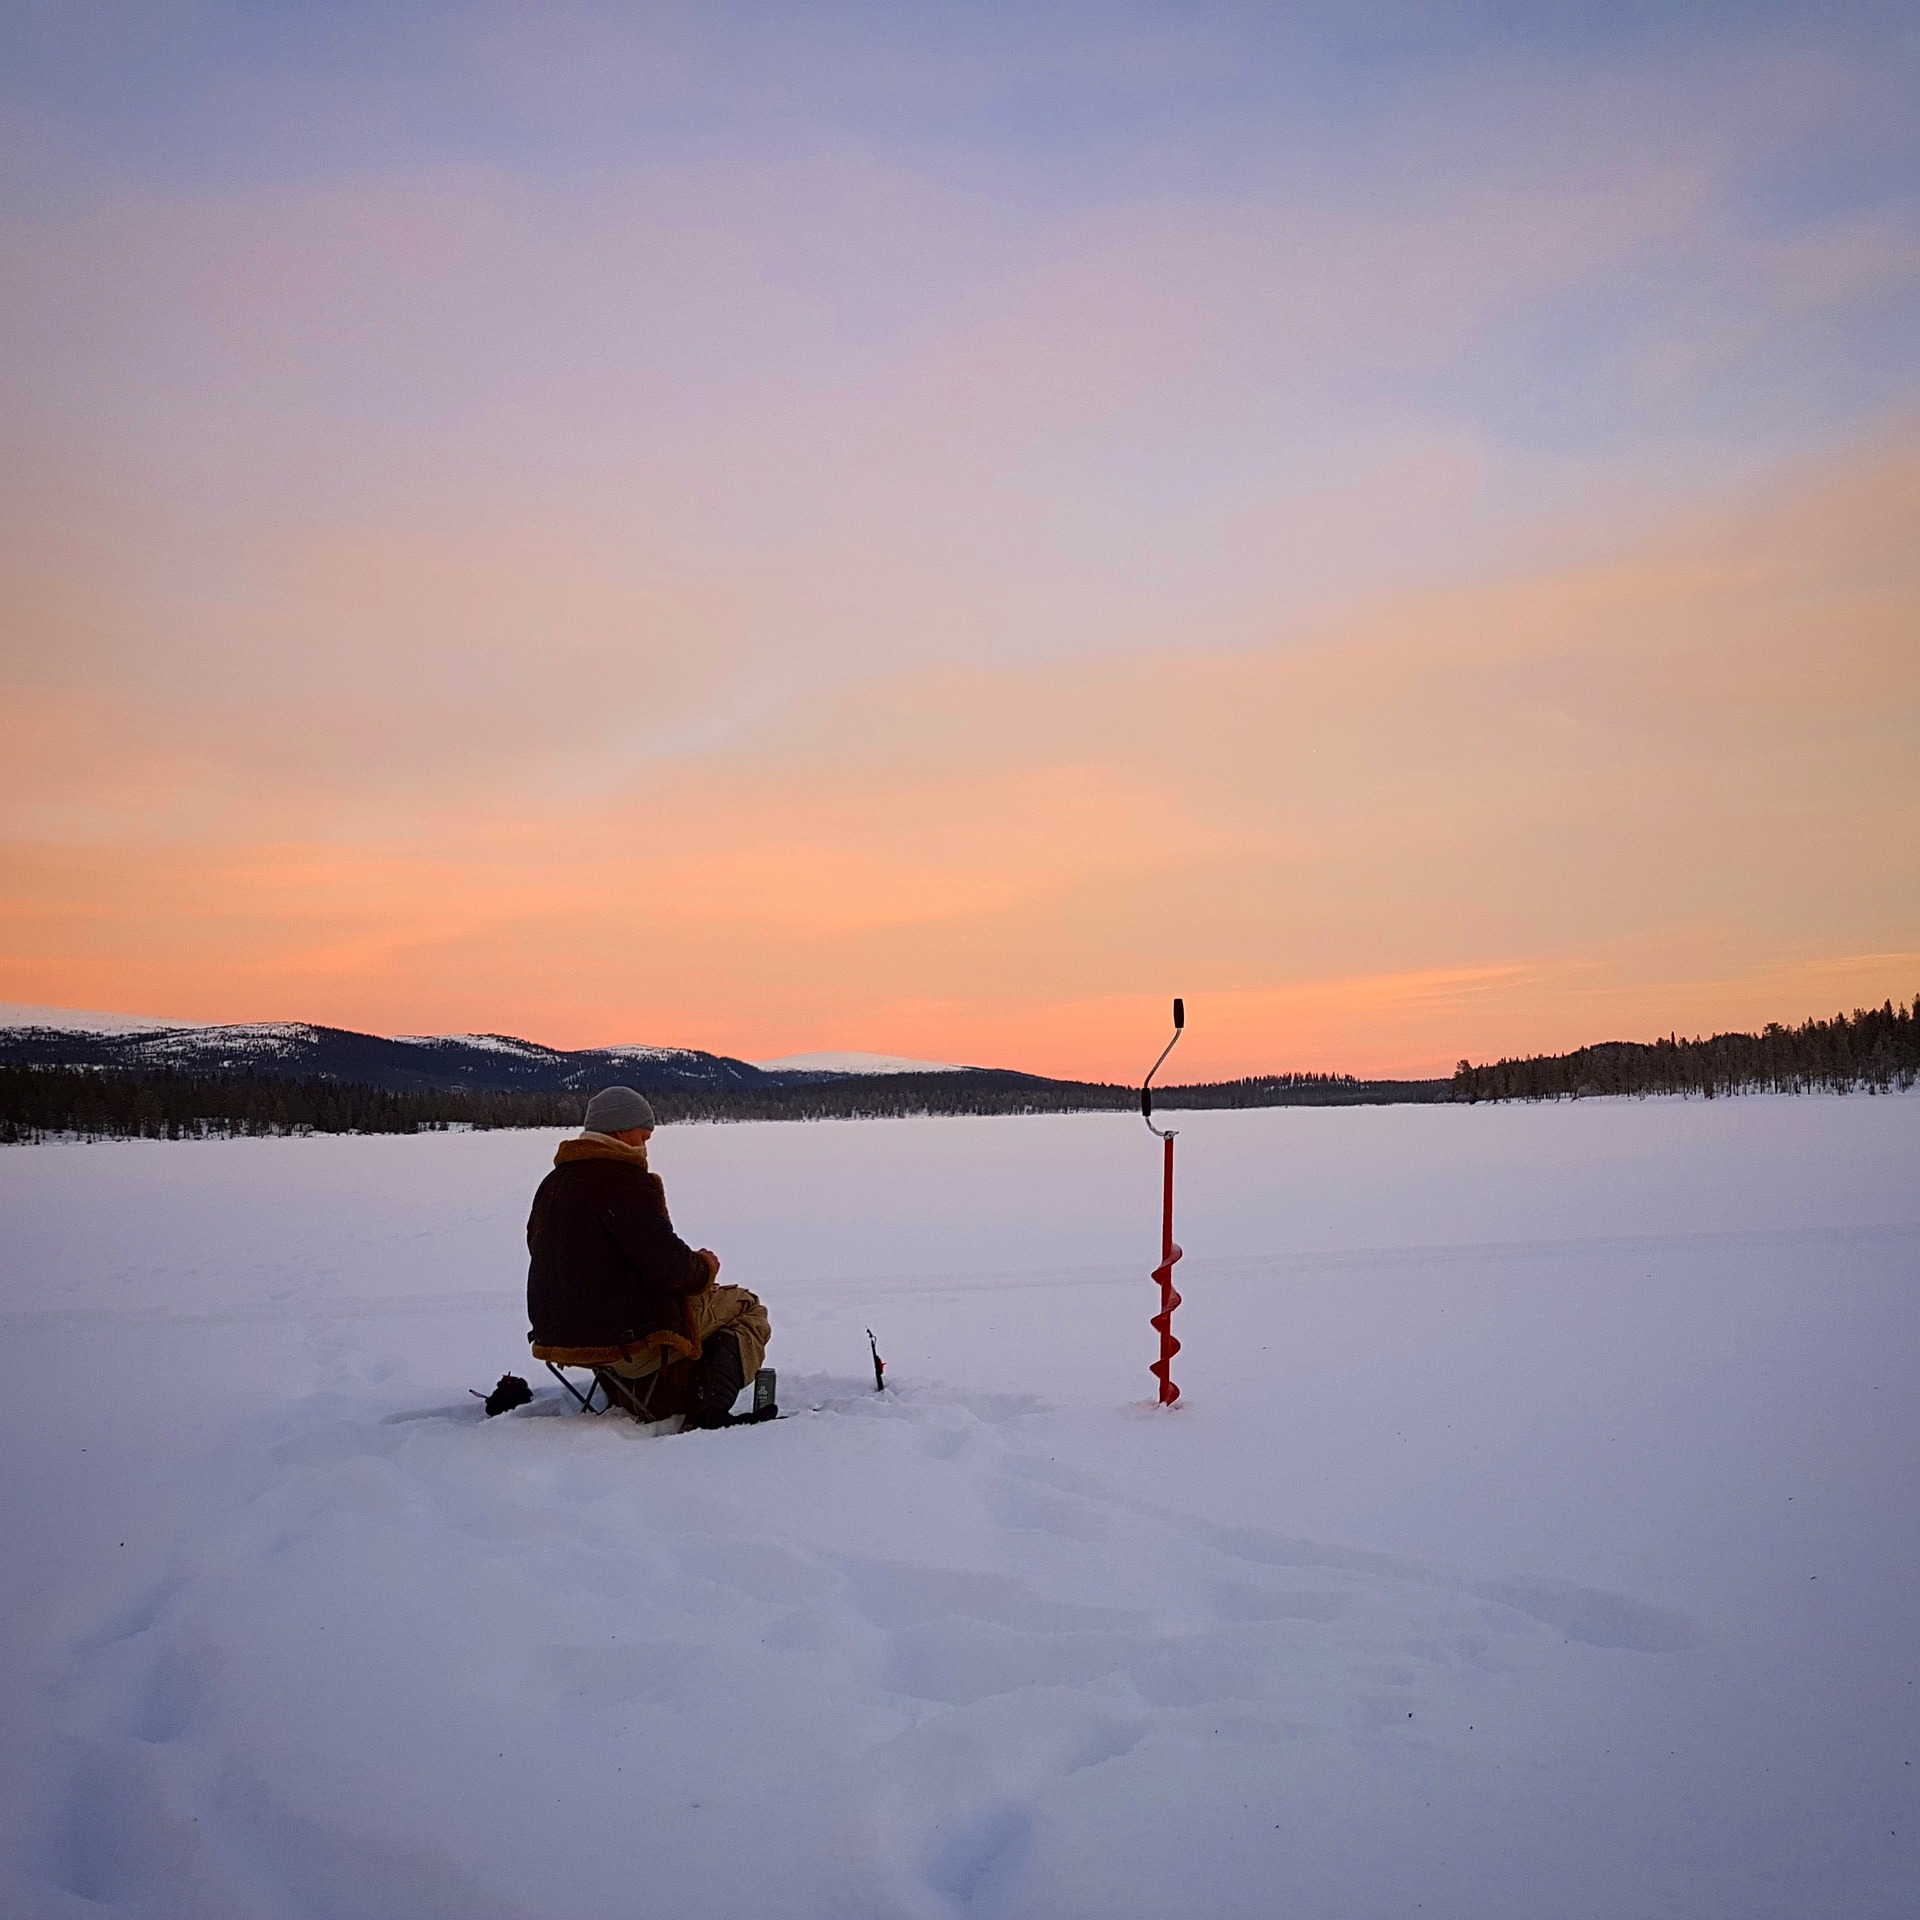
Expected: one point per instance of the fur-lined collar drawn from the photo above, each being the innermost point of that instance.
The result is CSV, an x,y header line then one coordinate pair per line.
x,y
600,1146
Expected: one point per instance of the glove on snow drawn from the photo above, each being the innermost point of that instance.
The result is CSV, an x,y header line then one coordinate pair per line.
x,y
511,1392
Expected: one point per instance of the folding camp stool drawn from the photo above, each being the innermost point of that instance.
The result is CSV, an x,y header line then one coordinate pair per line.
x,y
614,1389
634,1396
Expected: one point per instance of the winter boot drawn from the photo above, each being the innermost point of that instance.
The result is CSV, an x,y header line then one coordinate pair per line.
x,y
715,1383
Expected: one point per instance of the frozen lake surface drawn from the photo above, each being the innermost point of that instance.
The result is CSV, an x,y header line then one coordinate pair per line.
x,y
1537,1536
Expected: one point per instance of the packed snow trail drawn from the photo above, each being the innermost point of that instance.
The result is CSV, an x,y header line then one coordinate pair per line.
x,y
1567,1576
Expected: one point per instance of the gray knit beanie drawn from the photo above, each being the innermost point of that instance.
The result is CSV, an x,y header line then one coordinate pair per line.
x,y
616,1109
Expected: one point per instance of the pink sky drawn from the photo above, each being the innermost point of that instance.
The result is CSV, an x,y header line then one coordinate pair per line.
x,y
1448,593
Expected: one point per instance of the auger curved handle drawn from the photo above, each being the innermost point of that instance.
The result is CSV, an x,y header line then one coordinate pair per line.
x,y
1146,1085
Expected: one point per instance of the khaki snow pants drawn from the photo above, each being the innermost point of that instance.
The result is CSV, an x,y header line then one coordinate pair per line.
x,y
719,1310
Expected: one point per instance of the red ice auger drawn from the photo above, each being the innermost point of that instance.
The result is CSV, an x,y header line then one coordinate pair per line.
x,y
1162,1322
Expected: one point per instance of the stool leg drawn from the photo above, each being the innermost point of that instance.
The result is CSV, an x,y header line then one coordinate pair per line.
x,y
585,1399
615,1387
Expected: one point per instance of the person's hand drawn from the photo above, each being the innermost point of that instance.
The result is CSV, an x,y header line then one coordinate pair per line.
x,y
713,1263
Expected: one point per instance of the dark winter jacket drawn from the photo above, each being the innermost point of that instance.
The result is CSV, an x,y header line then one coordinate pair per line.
x,y
607,1266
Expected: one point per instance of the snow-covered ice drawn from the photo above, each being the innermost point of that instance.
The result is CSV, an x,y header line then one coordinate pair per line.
x,y
1537,1536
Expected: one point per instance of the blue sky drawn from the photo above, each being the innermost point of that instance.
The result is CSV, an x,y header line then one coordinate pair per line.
x,y
1797,123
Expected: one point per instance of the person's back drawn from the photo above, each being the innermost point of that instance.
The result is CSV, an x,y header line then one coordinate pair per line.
x,y
606,1269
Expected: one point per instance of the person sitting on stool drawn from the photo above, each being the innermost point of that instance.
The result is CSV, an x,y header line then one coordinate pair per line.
x,y
608,1270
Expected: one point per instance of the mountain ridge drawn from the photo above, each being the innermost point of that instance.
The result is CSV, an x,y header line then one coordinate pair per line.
x,y
351,1079
298,1049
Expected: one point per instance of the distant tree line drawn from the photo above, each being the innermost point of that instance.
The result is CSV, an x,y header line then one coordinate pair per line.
x,y
1877,1049
1298,1090
985,1091
93,1103
890,1096
37,1103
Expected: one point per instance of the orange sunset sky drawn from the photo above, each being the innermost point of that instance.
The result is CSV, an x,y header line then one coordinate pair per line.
x,y
772,532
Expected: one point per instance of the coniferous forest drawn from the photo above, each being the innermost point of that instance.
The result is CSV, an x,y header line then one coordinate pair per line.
x,y
88,1103
1876,1050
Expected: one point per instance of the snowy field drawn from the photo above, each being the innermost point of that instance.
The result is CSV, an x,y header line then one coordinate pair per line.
x,y
1538,1536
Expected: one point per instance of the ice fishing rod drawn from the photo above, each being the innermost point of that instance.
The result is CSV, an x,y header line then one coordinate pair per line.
x,y
1162,1322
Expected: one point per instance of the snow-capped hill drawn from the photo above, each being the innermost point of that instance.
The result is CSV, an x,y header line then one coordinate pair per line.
x,y
253,1037
654,1067
854,1063
76,1020
613,1054
475,1062
483,1042
299,1050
